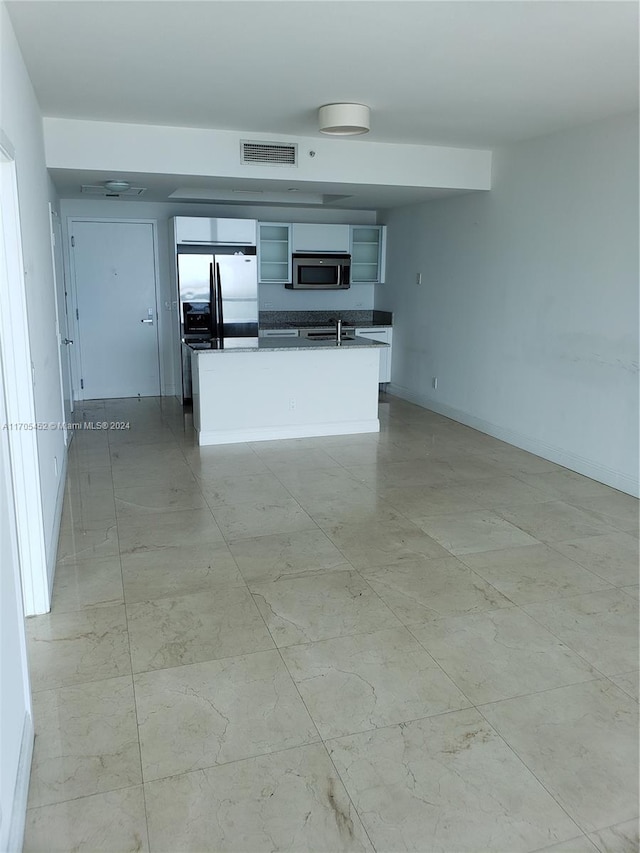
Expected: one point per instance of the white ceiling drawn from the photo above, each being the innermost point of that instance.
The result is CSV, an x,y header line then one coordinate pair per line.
x,y
469,74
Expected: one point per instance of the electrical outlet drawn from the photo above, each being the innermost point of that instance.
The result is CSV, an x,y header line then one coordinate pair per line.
x,y
434,382
268,306
292,405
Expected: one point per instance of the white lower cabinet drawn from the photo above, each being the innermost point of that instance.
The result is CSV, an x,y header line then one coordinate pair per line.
x,y
385,335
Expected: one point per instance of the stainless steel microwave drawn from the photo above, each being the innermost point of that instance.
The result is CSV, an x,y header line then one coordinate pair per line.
x,y
314,271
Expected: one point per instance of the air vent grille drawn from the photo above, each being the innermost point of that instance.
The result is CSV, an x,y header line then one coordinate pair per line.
x,y
268,153
89,189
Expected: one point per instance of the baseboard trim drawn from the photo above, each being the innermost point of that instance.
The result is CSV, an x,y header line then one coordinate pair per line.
x,y
21,790
289,431
593,470
52,551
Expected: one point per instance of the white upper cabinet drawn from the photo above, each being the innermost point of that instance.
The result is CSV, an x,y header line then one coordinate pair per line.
x,y
367,248
274,252
203,230
308,237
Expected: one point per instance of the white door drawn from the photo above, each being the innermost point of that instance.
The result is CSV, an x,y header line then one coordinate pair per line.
x,y
62,320
115,278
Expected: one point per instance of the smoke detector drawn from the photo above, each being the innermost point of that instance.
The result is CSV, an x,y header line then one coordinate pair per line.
x,y
117,186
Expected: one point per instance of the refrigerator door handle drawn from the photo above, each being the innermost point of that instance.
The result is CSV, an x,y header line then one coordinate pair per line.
x,y
213,301
219,306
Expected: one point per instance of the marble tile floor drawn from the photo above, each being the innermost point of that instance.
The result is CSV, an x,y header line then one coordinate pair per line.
x,y
420,640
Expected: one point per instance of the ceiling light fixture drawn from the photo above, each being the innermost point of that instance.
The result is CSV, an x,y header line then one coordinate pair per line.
x,y
344,119
117,186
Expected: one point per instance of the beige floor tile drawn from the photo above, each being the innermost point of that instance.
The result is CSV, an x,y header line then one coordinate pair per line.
x,y
501,491
191,717
228,491
554,521
500,654
84,645
427,772
85,512
87,583
471,532
627,681
192,628
613,556
102,823
324,483
308,459
291,800
533,573
419,502
574,845
602,627
408,783
566,485
171,477
152,457
616,508
150,497
412,472
352,684
321,606
164,529
165,471
577,740
268,558
384,542
178,571
86,741
209,464
261,518
88,484
422,590
77,544
89,458
622,838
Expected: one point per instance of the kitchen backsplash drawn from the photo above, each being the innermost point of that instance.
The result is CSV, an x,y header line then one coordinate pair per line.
x,y
276,297
302,319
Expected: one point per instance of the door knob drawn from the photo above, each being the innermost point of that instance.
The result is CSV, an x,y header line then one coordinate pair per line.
x,y
67,341
149,317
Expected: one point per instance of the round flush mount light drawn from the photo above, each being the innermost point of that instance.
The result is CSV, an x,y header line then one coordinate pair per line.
x,y
344,119
116,186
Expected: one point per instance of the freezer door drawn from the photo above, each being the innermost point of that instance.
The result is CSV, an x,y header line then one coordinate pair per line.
x,y
193,280
237,280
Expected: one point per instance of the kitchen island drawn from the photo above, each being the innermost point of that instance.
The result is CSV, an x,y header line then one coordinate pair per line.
x,y
285,388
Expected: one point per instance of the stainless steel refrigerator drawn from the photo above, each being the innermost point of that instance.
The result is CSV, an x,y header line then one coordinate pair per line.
x,y
218,299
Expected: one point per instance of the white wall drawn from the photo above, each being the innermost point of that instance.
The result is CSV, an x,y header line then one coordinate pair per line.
x,y
16,726
272,297
528,310
21,121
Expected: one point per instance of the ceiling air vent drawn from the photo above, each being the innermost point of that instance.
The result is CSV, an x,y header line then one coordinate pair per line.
x,y
268,153
89,189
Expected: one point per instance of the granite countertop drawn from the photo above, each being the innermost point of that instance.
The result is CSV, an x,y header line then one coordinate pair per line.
x,y
273,343
323,319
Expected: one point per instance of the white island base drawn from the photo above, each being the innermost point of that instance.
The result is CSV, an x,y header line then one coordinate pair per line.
x,y
268,394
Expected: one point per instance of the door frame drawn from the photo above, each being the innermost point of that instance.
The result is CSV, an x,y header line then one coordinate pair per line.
x,y
76,362
17,369
53,214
